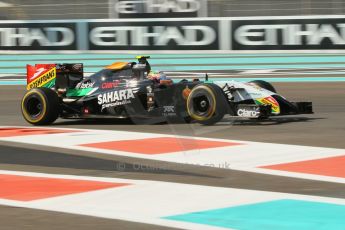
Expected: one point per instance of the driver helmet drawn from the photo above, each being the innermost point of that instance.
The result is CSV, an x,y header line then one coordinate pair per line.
x,y
156,75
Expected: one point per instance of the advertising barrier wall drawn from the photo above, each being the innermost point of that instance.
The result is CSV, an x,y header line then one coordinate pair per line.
x,y
257,33
157,8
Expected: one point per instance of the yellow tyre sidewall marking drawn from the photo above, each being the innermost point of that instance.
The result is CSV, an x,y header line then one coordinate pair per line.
x,y
200,118
44,107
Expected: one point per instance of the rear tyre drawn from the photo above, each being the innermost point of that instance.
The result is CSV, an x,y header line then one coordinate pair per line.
x,y
206,104
264,84
40,106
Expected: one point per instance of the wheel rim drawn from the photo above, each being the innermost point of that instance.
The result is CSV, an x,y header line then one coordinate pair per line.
x,y
34,107
201,104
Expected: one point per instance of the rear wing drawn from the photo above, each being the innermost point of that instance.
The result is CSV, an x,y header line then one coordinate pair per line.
x,y
46,75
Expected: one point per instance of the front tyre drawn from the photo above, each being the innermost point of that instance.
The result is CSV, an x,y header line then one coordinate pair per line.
x,y
40,106
206,104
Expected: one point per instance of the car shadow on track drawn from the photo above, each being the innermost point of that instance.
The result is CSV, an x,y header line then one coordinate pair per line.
x,y
33,157
96,121
226,121
273,121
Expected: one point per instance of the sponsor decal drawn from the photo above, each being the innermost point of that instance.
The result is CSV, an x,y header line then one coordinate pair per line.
x,y
86,85
288,34
80,92
169,110
110,85
131,83
181,35
269,101
150,98
104,35
149,89
244,112
38,73
253,94
32,72
157,8
38,36
116,98
77,67
174,34
43,79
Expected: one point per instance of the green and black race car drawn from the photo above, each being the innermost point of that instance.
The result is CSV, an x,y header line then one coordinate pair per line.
x,y
132,90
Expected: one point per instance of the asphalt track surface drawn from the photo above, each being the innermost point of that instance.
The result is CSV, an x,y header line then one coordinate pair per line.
x,y
325,128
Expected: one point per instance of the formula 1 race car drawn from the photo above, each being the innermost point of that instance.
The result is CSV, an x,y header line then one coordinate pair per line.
x,y
130,90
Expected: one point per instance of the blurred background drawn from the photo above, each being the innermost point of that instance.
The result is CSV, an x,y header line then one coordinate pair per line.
x,y
182,34
102,9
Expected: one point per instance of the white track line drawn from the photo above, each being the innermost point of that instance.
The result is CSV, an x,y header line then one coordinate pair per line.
x,y
149,201
248,156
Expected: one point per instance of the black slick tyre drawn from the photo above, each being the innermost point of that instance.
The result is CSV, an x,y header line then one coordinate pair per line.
x,y
40,106
206,104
